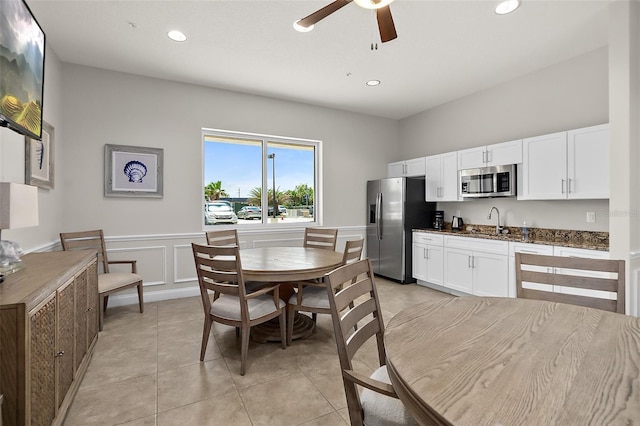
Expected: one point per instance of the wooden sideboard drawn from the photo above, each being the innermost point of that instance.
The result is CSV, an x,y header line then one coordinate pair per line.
x,y
48,330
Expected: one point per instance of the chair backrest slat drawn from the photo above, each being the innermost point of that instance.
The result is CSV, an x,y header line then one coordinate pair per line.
x,y
352,251
565,272
321,238
225,237
219,269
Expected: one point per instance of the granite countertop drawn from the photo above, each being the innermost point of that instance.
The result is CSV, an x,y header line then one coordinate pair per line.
x,y
557,237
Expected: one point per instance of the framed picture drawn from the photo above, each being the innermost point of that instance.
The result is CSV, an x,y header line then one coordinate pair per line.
x,y
38,159
132,171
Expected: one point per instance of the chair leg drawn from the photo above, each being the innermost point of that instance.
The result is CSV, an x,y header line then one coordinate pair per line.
x,y
284,334
237,331
140,298
102,307
244,349
291,314
314,317
105,300
206,331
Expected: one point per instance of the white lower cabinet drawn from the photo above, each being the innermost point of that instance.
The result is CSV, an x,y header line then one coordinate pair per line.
x,y
427,257
476,266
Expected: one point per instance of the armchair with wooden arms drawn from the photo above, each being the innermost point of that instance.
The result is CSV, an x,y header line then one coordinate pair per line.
x,y
108,282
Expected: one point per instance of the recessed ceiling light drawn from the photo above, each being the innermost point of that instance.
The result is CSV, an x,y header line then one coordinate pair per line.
x,y
176,35
507,6
301,28
373,82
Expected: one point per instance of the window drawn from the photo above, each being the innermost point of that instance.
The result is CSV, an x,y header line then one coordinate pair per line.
x,y
264,179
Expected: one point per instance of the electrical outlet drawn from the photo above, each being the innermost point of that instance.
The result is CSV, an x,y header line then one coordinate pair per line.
x,y
591,216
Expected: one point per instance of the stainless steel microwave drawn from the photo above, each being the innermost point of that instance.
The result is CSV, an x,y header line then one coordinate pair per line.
x,y
495,181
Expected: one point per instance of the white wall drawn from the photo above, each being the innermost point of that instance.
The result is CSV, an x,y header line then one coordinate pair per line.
x,y
12,161
103,107
565,96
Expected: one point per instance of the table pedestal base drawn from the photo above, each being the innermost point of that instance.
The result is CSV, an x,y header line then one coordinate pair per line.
x,y
270,331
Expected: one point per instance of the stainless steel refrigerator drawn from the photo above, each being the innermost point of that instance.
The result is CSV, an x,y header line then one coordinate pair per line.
x,y
395,206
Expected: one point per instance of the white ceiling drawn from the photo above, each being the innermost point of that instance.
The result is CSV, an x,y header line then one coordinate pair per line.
x,y
445,49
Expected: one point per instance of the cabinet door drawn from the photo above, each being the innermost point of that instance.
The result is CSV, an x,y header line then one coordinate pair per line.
x,y
93,299
65,339
458,273
435,265
42,350
415,167
396,169
544,167
419,253
449,177
80,284
502,154
588,162
433,174
472,158
490,275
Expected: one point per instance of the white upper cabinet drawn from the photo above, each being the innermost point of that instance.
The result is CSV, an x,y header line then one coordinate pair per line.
x,y
566,165
413,167
588,162
442,177
500,154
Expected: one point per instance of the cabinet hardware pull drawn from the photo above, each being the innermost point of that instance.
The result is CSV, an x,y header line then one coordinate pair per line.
x,y
59,354
562,186
90,309
569,186
469,262
528,251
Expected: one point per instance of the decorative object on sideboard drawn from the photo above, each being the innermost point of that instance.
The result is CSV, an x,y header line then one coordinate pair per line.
x,y
132,171
18,209
39,159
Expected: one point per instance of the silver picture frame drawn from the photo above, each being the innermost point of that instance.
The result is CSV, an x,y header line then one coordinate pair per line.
x,y
133,171
39,159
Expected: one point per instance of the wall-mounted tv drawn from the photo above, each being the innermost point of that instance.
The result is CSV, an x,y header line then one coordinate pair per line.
x,y
22,47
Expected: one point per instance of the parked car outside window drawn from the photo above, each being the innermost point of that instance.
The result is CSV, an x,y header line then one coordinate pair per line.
x,y
282,210
219,212
250,212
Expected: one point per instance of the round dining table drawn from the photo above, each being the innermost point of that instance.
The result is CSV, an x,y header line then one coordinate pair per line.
x,y
501,361
286,266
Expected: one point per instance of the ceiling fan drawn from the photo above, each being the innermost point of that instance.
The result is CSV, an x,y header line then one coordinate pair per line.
x,y
383,13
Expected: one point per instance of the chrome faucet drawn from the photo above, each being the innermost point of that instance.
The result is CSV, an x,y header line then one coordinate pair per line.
x,y
498,227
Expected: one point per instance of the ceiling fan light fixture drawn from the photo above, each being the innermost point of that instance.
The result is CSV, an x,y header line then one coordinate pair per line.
x,y
373,82
507,6
373,4
176,35
301,28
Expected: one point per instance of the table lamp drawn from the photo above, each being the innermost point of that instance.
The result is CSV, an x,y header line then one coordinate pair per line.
x,y
18,209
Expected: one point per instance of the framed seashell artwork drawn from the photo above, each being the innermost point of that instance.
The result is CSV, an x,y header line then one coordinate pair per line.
x,y
132,171
38,159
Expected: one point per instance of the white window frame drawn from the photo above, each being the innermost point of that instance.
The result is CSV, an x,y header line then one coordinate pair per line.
x,y
265,139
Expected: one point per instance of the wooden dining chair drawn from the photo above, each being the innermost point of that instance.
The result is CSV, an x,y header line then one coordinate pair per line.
x,y
588,276
312,296
220,270
108,282
225,237
378,404
321,238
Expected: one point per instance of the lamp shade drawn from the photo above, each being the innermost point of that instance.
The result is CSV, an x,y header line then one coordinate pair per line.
x,y
18,205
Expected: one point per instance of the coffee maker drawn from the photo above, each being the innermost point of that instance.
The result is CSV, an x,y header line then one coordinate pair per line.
x,y
438,220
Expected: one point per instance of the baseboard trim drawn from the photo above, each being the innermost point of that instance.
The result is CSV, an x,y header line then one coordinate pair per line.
x,y
153,296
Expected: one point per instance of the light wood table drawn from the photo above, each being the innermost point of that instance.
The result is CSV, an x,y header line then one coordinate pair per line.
x,y
495,361
286,266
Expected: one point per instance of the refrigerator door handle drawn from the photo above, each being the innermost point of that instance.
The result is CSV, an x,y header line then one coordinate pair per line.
x,y
379,215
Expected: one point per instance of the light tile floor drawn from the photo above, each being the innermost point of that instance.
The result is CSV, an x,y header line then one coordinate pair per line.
x,y
146,370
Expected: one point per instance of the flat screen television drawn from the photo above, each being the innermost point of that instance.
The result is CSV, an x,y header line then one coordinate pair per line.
x,y
22,48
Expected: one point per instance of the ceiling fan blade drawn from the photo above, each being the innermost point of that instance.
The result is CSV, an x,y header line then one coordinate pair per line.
x,y
320,14
385,24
